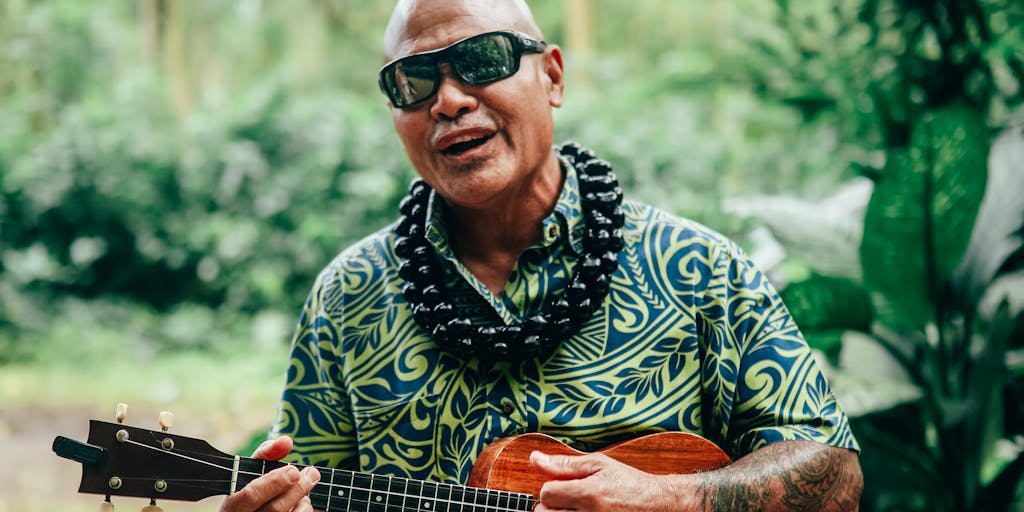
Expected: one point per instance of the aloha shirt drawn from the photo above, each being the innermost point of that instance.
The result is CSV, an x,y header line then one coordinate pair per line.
x,y
691,338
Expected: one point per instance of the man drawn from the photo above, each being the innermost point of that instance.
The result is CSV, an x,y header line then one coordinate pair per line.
x,y
517,295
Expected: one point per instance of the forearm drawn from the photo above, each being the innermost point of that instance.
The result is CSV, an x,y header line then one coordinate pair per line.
x,y
784,476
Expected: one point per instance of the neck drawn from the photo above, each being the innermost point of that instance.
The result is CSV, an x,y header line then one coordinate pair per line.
x,y
488,240
561,315
351,491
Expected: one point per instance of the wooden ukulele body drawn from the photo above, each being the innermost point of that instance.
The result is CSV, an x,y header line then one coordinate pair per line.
x,y
505,463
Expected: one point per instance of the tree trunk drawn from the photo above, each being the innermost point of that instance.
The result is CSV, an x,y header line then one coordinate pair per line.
x,y
175,66
579,38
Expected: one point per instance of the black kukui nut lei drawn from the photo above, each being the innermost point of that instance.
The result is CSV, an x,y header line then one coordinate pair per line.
x,y
563,313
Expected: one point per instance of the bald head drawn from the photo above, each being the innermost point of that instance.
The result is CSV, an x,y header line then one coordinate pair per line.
x,y
412,19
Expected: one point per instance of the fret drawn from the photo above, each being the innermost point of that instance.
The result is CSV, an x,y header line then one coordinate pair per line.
x,y
320,495
401,496
414,488
444,497
479,500
458,499
330,489
528,502
378,494
491,500
503,500
251,469
429,504
346,491
432,505
475,498
522,502
359,499
352,491
392,498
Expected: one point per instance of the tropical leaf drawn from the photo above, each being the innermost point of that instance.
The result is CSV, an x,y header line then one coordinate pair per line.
x,y
920,215
1008,288
822,303
829,343
868,378
824,307
823,234
998,236
984,393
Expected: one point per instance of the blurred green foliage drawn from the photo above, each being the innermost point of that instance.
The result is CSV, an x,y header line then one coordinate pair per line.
x,y
220,153
941,293
174,174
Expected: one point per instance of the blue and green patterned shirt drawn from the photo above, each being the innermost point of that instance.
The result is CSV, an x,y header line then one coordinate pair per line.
x,y
691,337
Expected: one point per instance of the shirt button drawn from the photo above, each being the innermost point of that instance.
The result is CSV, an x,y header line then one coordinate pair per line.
x,y
552,230
507,406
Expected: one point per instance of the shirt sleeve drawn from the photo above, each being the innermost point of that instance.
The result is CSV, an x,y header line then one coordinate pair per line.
x,y
775,390
314,409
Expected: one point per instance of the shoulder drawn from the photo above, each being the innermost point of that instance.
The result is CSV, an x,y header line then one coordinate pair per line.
x,y
657,230
362,263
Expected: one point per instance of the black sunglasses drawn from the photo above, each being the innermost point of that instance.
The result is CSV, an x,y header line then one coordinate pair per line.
x,y
476,60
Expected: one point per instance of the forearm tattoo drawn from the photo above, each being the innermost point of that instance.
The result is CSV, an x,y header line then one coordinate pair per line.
x,y
786,476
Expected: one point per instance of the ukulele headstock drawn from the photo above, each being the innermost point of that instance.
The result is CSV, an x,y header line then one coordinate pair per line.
x,y
121,460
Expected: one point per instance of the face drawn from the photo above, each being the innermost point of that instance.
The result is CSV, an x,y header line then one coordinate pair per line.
x,y
477,145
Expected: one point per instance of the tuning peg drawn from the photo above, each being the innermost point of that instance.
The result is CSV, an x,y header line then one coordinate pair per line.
x,y
106,506
166,420
122,412
152,507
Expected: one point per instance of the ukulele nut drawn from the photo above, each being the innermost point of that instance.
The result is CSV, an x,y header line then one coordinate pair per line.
x,y
160,485
122,435
167,444
114,482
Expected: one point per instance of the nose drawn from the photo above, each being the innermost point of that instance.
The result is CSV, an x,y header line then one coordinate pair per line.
x,y
451,100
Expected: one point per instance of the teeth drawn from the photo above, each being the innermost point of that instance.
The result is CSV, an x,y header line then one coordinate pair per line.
x,y
470,138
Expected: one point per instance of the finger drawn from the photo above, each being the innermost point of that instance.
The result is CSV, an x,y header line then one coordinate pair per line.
x,y
262,490
566,467
564,495
273,449
292,498
305,505
541,507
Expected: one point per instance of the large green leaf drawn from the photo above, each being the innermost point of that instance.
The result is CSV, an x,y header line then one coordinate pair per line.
x,y
824,307
998,237
824,234
920,215
822,303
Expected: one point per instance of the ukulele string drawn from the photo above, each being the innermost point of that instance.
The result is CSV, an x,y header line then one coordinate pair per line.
x,y
181,454
525,501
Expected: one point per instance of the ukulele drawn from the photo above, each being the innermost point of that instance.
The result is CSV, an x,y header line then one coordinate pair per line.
x,y
119,460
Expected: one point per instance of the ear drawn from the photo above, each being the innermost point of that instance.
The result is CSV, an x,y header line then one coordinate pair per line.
x,y
555,72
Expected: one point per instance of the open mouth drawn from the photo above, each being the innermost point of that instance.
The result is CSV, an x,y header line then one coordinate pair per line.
x,y
465,143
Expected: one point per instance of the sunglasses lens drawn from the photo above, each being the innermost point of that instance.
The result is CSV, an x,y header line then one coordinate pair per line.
x,y
411,80
484,59
477,60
